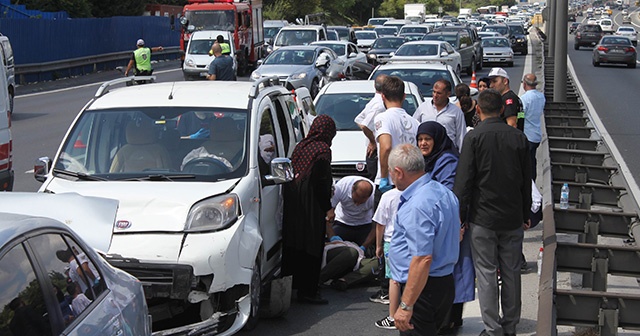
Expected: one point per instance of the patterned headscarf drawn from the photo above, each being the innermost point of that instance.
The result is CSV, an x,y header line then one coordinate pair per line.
x,y
441,143
314,147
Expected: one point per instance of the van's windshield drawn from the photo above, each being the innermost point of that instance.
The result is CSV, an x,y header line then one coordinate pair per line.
x,y
159,143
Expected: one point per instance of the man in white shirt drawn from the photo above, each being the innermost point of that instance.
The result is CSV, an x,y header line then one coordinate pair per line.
x,y
352,209
441,110
365,120
392,127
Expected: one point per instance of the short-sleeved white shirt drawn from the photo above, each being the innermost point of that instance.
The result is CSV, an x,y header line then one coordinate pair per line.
x,y
374,107
347,211
399,125
386,212
451,117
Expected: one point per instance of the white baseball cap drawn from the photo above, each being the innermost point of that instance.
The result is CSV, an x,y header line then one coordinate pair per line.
x,y
140,42
495,72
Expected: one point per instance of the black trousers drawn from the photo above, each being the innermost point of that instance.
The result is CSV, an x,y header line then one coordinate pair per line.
x,y
432,306
306,272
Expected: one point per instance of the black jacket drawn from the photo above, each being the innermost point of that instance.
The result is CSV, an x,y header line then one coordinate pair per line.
x,y
493,178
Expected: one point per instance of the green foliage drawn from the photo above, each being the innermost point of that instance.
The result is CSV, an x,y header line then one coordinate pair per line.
x,y
289,9
108,8
75,8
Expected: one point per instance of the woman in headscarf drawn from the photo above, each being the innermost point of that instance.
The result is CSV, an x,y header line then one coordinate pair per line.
x,y
441,161
306,202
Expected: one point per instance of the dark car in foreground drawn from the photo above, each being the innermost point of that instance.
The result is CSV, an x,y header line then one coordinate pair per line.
x,y
615,49
587,35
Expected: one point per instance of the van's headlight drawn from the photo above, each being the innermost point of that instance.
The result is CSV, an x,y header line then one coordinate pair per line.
x,y
255,75
213,214
189,62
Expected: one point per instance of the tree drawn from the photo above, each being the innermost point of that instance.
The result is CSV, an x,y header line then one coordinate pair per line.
x,y
108,8
75,8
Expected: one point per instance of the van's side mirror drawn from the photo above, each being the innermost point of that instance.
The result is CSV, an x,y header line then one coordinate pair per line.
x,y
191,28
260,61
464,45
184,21
41,168
444,54
281,171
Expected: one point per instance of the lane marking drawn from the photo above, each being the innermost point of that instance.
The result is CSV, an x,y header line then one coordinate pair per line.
x,y
79,86
605,136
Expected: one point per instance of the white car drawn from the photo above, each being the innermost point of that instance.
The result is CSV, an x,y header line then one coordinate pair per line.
x,y
198,170
437,51
197,57
497,50
607,26
424,75
629,32
346,51
343,101
365,39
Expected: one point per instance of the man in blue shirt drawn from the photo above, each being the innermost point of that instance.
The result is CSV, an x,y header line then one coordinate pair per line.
x,y
424,246
533,103
221,68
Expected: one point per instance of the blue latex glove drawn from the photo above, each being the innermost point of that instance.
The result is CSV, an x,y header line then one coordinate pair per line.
x,y
385,185
364,249
335,238
200,134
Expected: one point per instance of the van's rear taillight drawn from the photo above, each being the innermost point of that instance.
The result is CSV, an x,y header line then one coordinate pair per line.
x,y
6,159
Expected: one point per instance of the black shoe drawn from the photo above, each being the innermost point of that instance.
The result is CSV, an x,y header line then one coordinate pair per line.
x,y
484,333
316,299
524,268
339,285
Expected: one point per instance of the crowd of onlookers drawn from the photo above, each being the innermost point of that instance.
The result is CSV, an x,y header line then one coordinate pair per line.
x,y
444,211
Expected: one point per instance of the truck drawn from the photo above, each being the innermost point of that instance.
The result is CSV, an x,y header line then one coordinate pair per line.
x,y
415,12
465,12
242,18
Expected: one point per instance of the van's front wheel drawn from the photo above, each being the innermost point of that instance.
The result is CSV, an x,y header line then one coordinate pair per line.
x,y
255,291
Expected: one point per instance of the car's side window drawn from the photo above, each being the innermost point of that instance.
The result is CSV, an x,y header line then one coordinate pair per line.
x,y
267,143
282,122
23,307
71,273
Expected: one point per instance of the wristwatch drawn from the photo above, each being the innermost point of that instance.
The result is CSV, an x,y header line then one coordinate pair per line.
x,y
404,306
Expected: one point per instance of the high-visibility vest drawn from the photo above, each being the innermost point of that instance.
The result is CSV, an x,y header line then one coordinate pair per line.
x,y
226,49
143,59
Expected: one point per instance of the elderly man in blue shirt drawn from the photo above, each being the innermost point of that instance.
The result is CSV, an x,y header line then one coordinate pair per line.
x,y
424,246
533,103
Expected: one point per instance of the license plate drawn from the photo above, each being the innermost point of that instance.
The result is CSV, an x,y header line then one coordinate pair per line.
x,y
615,51
494,60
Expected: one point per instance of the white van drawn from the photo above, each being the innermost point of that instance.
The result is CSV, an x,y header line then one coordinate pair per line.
x,y
9,66
6,155
299,35
197,57
198,170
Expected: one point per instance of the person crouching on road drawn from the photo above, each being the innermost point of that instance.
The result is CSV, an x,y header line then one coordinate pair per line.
x,y
141,60
352,209
221,68
424,246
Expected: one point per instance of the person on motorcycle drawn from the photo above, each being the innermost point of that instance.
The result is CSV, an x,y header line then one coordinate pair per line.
x,y
141,60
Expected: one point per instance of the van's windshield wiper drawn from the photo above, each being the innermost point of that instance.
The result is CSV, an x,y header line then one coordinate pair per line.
x,y
78,175
161,177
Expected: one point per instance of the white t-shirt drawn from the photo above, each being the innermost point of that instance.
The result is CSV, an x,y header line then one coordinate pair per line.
x,y
75,277
399,125
451,117
374,107
347,211
386,212
79,304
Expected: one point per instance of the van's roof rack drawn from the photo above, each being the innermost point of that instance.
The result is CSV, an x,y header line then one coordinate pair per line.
x,y
263,83
104,88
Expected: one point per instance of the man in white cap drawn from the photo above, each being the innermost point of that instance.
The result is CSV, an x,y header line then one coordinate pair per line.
x,y
513,113
141,60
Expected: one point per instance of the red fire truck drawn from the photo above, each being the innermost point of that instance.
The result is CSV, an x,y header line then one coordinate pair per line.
x,y
243,18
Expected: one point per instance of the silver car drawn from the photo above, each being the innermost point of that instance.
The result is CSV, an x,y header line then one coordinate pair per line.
x,y
302,66
497,50
51,281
